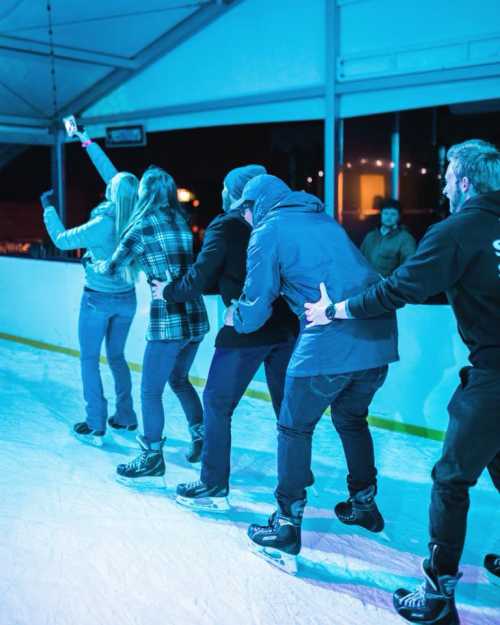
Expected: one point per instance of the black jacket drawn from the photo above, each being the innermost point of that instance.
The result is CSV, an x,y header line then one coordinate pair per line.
x,y
461,256
221,268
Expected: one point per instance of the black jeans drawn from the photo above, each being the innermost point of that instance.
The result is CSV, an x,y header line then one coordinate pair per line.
x,y
306,399
472,444
231,371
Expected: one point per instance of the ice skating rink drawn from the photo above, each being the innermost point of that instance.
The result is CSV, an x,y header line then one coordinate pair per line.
x,y
78,548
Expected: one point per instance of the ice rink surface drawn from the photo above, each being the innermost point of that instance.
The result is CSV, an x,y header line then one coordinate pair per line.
x,y
78,548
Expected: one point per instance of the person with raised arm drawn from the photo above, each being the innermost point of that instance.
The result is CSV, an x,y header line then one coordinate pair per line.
x,y
108,303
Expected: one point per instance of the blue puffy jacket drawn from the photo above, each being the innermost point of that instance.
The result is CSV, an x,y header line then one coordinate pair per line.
x,y
294,246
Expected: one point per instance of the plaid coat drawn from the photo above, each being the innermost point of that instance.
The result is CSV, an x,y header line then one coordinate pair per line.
x,y
163,248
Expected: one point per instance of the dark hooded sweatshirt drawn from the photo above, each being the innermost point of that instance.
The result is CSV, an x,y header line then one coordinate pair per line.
x,y
461,256
293,248
220,269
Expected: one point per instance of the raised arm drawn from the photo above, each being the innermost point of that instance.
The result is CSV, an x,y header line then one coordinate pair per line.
x,y
85,235
101,161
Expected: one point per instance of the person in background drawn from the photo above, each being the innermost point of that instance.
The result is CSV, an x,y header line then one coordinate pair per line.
x,y
108,303
390,245
292,243
159,242
461,256
221,268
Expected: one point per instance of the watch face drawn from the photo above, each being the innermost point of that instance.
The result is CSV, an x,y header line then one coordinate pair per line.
x,y
330,312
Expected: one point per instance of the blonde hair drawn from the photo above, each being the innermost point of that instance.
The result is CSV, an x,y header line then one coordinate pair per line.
x,y
479,161
123,191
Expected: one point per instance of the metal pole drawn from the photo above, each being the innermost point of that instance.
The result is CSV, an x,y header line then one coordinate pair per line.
x,y
395,157
58,173
331,105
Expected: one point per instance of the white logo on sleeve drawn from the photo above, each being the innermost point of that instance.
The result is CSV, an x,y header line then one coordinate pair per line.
x,y
496,246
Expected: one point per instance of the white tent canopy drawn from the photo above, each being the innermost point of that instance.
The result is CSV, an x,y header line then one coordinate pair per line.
x,y
184,63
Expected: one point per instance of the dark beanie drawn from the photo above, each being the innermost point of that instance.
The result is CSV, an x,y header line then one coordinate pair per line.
x,y
237,178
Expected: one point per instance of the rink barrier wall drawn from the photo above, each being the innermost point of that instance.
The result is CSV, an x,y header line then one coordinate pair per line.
x,y
378,422
413,399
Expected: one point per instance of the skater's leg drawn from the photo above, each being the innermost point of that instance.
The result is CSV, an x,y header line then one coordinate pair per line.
x,y
471,444
116,337
304,403
231,371
159,360
275,366
182,387
92,326
494,471
349,416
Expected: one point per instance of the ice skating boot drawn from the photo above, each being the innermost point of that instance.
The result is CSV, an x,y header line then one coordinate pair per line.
x,y
361,509
194,453
118,426
198,496
433,602
87,435
278,542
148,464
492,565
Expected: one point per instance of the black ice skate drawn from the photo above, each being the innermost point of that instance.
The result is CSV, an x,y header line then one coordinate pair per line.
x,y
198,496
149,464
118,426
194,453
361,509
279,542
87,435
492,565
433,602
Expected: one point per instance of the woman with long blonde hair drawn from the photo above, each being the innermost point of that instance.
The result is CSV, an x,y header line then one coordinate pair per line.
x,y
108,303
158,239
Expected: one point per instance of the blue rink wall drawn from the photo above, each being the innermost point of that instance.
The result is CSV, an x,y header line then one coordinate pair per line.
x,y
40,304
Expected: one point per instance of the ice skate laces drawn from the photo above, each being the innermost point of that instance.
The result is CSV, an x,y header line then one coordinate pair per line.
x,y
138,462
415,599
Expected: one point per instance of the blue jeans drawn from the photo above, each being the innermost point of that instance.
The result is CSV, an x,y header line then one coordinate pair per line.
x,y
106,317
168,361
231,371
306,399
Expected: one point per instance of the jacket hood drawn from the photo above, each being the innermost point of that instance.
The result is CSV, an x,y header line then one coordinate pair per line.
x,y
489,202
267,192
283,198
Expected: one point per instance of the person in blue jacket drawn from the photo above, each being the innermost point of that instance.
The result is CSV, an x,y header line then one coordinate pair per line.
x,y
108,303
293,243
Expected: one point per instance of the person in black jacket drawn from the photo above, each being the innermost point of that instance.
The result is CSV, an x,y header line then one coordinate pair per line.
x,y
221,268
461,256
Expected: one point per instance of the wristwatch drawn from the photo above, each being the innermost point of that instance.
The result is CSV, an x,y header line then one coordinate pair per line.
x,y
330,312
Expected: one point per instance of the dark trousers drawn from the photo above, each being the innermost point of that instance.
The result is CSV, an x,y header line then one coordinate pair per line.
x,y
306,399
472,443
231,371
168,361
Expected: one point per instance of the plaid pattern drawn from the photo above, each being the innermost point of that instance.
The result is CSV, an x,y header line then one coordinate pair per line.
x,y
163,249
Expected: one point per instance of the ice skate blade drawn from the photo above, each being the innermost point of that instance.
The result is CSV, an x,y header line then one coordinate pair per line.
x,y
493,578
204,504
284,561
88,439
148,481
